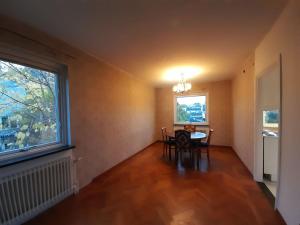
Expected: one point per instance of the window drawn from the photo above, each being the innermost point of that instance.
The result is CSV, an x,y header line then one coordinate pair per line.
x,y
32,109
271,119
191,109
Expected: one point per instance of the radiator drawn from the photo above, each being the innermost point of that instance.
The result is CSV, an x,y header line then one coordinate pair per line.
x,y
29,191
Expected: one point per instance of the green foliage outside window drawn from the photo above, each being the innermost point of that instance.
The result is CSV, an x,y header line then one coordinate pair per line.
x,y
28,100
182,114
191,109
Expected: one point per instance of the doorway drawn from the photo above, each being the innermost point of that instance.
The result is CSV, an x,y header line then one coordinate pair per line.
x,y
268,128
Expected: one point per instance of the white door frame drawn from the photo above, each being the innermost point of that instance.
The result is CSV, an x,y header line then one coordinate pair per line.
x,y
258,157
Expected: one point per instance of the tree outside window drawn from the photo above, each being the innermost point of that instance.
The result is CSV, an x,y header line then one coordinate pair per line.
x,y
191,109
28,107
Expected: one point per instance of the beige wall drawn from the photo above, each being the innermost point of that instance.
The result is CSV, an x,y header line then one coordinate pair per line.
x,y
284,38
112,114
220,109
112,117
243,112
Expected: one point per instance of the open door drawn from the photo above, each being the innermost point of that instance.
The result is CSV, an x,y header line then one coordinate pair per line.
x,y
268,128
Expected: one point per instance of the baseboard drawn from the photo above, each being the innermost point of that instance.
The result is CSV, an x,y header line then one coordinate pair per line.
x,y
250,173
281,217
267,192
221,146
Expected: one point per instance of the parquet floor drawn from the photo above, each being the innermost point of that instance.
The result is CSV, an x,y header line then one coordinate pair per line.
x,y
148,190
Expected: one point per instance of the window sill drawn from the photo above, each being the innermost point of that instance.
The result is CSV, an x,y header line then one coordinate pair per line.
x,y
196,124
16,160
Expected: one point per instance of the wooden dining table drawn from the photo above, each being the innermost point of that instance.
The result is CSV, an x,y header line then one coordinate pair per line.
x,y
197,135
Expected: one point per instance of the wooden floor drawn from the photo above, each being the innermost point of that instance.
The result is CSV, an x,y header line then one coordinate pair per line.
x,y
147,189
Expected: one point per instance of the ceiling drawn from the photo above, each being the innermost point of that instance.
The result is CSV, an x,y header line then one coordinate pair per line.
x,y
146,37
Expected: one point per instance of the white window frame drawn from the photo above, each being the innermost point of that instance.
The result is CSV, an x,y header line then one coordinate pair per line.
x,y
63,102
194,94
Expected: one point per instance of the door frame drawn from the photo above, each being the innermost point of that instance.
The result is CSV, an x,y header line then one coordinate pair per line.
x,y
258,153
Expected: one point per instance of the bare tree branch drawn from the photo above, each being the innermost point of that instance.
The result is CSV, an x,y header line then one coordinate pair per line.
x,y
10,65
23,103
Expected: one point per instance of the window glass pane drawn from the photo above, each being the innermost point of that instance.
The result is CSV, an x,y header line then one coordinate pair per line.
x,y
28,107
271,118
191,109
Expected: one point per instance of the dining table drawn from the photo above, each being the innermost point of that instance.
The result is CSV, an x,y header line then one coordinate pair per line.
x,y
195,135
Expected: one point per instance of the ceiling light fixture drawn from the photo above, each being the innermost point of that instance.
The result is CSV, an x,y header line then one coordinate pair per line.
x,y
182,86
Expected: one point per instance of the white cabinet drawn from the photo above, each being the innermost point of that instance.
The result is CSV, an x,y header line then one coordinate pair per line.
x,y
271,156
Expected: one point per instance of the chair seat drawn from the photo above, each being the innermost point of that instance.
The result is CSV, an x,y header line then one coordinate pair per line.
x,y
204,144
170,142
198,144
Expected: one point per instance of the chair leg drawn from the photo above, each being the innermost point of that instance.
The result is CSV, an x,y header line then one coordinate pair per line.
x,y
198,159
166,150
199,150
195,157
170,155
180,157
207,151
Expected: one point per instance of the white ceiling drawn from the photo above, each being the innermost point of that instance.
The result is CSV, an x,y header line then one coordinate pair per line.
x,y
145,37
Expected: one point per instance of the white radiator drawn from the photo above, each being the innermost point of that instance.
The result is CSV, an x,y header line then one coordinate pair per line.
x,y
34,187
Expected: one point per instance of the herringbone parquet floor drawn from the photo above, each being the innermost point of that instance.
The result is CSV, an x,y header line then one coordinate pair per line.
x,y
148,190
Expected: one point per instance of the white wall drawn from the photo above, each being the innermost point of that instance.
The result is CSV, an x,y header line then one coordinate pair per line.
x,y
270,90
284,38
243,112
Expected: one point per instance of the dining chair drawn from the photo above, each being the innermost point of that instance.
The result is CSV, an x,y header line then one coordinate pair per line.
x,y
183,143
168,143
206,144
205,131
190,128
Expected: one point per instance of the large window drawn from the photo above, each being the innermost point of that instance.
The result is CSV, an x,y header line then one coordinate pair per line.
x,y
191,109
32,108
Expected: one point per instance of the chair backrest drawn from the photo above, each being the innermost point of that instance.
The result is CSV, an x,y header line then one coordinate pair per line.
x,y
209,136
164,133
205,131
183,140
190,128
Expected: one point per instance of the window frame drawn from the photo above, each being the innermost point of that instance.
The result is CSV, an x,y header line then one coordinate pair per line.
x,y
63,122
194,94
